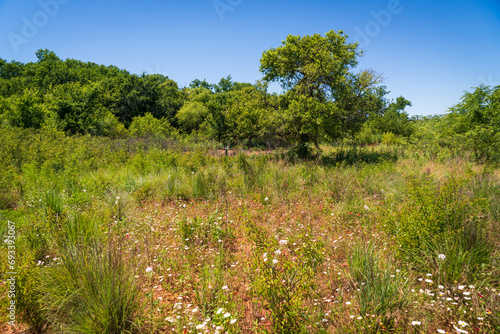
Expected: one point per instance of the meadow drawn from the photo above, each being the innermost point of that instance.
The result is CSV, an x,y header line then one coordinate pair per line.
x,y
159,235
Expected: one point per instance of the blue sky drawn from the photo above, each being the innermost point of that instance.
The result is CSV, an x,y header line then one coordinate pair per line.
x,y
428,51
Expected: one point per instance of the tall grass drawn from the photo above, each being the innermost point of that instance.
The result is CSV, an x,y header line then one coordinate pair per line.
x,y
92,212
382,290
91,291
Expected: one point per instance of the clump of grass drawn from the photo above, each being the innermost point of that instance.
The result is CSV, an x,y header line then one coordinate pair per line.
x,y
53,205
463,256
91,291
382,290
437,220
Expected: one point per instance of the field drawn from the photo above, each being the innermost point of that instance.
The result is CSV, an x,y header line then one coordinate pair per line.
x,y
164,236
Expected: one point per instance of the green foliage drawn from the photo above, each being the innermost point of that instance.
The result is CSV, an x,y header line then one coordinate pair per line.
x,y
192,115
437,220
92,291
148,126
381,289
28,296
472,126
313,65
82,97
324,101
467,255
25,111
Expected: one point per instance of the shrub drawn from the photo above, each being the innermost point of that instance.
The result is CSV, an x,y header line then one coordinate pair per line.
x,y
149,126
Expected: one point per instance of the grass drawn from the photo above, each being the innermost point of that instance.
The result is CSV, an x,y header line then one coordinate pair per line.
x,y
117,236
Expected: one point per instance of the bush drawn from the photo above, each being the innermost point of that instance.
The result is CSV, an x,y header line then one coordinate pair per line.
x,y
148,126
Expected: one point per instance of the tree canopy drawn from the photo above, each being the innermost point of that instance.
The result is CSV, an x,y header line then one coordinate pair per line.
x,y
323,99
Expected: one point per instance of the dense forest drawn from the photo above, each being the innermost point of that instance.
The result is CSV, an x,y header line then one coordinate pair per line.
x,y
334,212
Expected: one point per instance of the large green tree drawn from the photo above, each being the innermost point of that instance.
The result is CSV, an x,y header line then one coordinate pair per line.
x,y
324,98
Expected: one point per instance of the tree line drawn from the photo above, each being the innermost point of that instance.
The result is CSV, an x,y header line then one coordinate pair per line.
x,y
324,99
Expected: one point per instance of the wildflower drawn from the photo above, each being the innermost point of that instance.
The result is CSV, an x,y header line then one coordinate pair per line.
x,y
149,269
366,207
460,330
441,331
219,311
416,323
462,323
265,255
283,242
441,287
277,252
170,319
266,199
232,321
200,326
428,281
227,315
441,256
275,261
178,306
224,287
461,287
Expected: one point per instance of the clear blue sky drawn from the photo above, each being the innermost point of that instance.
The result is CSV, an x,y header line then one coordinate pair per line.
x,y
429,51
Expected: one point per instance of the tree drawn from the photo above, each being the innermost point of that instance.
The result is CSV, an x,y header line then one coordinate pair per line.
x,y
481,107
393,119
476,121
314,66
324,100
